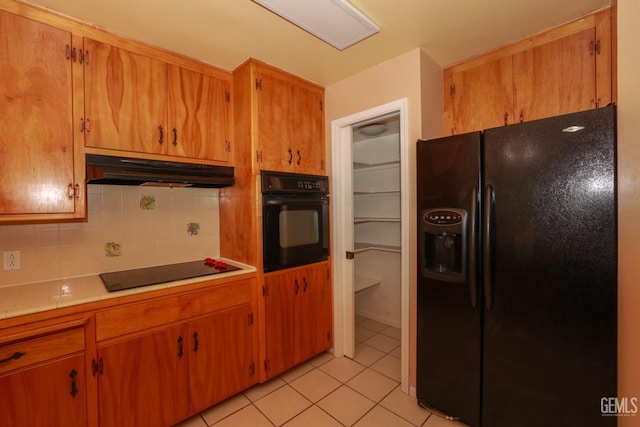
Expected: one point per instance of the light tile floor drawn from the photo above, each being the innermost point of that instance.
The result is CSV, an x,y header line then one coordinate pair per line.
x,y
327,391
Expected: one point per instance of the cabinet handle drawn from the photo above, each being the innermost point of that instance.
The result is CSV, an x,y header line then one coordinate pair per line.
x,y
180,347
161,140
195,339
15,356
304,280
290,156
299,157
175,137
296,287
74,386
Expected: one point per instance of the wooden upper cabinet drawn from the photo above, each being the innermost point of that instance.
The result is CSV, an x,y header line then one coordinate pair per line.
x,y
199,115
563,70
141,104
309,131
41,171
125,100
275,122
556,78
482,96
290,117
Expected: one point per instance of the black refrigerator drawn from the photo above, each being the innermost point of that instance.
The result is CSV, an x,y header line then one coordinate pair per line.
x,y
517,273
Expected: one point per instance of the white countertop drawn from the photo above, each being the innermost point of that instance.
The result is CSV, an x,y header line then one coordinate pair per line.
x,y
18,300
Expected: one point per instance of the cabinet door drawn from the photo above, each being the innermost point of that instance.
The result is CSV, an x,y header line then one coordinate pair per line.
x,y
125,100
53,394
315,315
275,123
220,356
483,96
198,107
309,131
280,322
144,381
36,116
556,78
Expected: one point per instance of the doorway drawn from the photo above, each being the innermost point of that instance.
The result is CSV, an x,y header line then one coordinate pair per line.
x,y
370,201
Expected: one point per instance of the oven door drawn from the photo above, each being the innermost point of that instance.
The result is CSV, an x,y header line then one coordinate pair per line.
x,y
295,231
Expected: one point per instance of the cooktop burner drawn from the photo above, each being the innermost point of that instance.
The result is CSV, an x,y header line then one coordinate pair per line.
x,y
127,279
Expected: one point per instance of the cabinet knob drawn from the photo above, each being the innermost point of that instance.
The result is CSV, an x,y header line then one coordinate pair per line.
x,y
161,140
175,137
290,156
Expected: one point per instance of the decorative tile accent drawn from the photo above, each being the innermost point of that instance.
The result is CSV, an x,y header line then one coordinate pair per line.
x,y
112,249
193,228
147,203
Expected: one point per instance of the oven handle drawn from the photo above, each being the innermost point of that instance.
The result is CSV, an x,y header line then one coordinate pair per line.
x,y
314,200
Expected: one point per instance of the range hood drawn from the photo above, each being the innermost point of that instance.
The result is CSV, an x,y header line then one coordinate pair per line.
x,y
157,173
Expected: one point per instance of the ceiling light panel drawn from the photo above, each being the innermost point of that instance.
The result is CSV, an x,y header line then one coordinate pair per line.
x,y
336,22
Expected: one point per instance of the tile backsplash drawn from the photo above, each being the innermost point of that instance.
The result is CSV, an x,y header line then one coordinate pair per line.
x,y
127,227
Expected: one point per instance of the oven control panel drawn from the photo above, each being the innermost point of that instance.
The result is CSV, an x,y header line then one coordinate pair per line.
x,y
282,182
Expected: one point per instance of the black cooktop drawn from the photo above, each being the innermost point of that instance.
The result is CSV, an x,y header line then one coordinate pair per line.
x,y
128,279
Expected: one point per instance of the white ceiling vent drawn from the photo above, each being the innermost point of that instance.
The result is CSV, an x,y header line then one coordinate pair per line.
x,y
336,22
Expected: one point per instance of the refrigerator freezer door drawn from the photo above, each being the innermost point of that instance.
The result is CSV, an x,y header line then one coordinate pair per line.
x,y
550,343
448,309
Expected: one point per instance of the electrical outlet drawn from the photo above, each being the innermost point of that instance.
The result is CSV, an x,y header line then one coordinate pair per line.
x,y
11,260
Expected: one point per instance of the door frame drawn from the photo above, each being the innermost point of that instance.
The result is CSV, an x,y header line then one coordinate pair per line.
x,y
342,230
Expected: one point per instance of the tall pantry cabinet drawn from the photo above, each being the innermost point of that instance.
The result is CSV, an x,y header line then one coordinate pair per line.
x,y
278,126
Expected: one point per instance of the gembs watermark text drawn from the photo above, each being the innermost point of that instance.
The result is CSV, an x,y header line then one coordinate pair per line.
x,y
619,406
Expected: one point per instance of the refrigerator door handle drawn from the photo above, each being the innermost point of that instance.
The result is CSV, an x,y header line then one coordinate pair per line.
x,y
487,246
471,249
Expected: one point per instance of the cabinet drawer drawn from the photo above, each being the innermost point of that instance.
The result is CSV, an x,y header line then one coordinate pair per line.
x,y
31,351
137,317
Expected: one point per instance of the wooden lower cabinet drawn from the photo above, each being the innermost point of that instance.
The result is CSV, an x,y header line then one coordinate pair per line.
x,y
220,356
47,395
298,316
144,381
162,360
43,379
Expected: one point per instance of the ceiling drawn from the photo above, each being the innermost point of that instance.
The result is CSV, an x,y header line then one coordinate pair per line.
x,y
225,33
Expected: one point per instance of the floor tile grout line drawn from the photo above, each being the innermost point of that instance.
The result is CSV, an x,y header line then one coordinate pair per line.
x,y
341,383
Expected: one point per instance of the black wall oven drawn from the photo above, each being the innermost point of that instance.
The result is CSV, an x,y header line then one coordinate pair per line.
x,y
295,219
